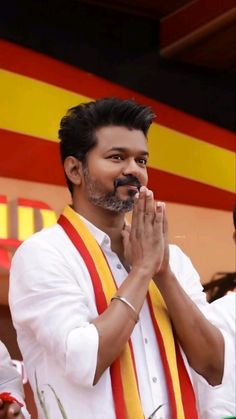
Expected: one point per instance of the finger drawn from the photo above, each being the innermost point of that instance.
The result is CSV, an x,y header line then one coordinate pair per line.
x,y
134,221
149,207
158,219
165,222
127,228
125,233
138,213
141,198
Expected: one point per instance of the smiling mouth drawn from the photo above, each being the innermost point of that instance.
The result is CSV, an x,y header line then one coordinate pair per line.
x,y
130,186
134,187
131,190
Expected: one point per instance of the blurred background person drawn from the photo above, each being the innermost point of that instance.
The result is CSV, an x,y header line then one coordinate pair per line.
x,y
11,388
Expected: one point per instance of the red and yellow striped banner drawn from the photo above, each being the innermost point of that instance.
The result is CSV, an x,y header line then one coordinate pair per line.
x,y
191,161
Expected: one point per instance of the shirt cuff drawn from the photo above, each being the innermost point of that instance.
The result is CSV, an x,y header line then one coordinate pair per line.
x,y
81,355
228,378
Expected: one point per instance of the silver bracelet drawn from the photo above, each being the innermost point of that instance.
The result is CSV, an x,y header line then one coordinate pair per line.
x,y
123,299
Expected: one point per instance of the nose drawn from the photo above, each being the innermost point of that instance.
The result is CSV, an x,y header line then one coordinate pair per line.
x,y
131,168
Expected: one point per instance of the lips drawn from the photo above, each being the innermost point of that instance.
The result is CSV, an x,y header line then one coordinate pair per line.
x,y
130,182
134,187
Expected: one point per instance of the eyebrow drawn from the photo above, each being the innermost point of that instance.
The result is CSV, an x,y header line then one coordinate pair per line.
x,y
124,149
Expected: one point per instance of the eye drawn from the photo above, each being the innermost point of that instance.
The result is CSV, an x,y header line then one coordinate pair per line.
x,y
142,161
115,157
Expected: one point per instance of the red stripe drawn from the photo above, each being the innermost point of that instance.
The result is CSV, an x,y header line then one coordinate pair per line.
x,y
5,260
101,306
33,165
117,389
169,383
3,199
10,243
32,203
172,188
33,159
80,246
29,63
134,365
187,393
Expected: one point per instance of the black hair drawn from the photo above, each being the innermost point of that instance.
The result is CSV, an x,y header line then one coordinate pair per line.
x,y
78,127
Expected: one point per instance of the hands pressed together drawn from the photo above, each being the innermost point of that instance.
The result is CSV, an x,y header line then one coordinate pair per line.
x,y
145,241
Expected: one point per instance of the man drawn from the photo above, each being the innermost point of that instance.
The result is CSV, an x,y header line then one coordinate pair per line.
x,y
11,389
93,328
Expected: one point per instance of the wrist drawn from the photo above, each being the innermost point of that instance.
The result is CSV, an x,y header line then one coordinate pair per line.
x,y
163,275
142,272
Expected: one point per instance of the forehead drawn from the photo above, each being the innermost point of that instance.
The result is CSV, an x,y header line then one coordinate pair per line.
x,y
120,137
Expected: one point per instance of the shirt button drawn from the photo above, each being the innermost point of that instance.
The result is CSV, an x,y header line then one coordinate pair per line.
x,y
146,340
119,266
106,240
154,379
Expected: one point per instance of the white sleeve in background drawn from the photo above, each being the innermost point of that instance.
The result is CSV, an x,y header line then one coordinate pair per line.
x,y
220,401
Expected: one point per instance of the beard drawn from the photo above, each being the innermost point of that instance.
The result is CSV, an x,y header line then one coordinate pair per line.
x,y
107,200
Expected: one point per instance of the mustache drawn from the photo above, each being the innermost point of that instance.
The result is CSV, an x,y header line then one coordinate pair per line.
x,y
128,180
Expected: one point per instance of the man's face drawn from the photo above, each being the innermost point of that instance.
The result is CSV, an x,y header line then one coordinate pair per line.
x,y
115,168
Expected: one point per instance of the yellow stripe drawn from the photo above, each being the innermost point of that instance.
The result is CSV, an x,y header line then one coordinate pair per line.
x,y
35,108
49,217
132,400
127,372
94,249
189,157
25,222
163,321
3,223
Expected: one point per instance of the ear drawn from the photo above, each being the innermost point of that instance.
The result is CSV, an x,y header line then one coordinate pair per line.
x,y
73,169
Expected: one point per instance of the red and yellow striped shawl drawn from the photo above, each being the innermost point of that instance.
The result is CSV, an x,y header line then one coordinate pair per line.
x,y
123,374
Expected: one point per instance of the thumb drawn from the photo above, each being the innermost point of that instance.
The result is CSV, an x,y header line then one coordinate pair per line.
x,y
165,223
125,233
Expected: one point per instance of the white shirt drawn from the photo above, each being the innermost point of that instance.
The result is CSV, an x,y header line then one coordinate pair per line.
x,y
52,304
10,379
220,401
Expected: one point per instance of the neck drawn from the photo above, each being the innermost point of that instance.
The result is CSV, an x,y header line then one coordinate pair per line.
x,y
110,222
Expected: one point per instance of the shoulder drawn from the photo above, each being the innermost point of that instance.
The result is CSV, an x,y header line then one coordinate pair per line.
x,y
43,238
49,242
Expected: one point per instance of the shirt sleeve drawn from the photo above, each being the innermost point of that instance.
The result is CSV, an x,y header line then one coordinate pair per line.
x,y
48,304
216,402
10,379
188,277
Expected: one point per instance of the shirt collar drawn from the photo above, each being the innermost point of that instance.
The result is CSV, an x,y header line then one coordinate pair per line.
x,y
99,235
